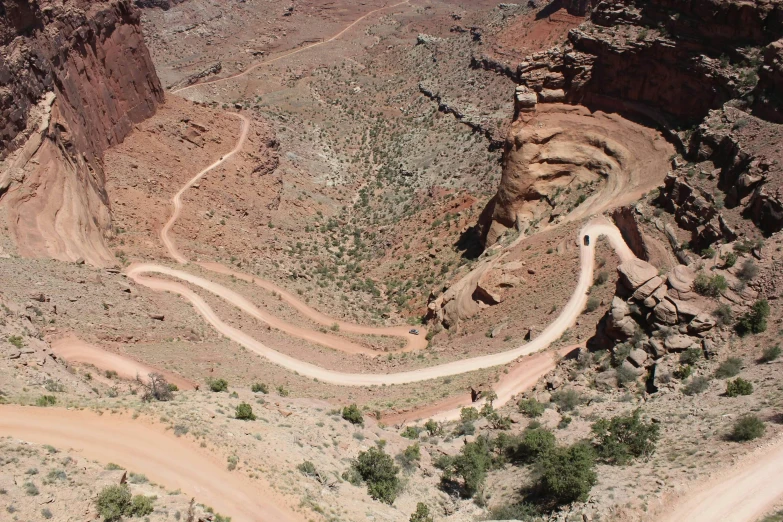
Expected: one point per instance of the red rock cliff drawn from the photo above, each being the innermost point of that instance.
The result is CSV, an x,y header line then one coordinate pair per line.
x,y
74,79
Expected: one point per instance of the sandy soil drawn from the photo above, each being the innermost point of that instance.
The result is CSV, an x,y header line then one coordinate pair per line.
x,y
136,444
744,493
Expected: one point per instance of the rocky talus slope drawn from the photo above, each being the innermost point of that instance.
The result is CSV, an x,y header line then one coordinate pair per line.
x,y
74,79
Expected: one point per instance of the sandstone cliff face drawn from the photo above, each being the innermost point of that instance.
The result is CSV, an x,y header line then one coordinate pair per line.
x,y
89,60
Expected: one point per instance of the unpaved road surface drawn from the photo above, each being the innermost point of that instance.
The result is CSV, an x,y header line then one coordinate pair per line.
x,y
137,445
290,53
568,315
73,349
744,493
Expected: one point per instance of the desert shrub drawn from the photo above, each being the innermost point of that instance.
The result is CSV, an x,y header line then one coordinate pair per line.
x,y
422,514
625,375
353,415
696,386
409,457
531,407
140,506
469,414
567,399
46,400
748,271
737,387
46,513
113,502
729,368
307,468
723,314
433,428
770,354
710,286
377,469
245,412
729,260
625,437
516,511
755,321
31,489
691,356
260,387
411,432
217,385
683,372
533,443
592,304
747,427
156,388
472,464
566,474
465,428
601,278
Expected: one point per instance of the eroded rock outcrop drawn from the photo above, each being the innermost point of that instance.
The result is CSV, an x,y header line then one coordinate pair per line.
x,y
89,60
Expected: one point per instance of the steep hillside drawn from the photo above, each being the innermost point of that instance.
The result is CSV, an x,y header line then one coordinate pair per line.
x,y
74,79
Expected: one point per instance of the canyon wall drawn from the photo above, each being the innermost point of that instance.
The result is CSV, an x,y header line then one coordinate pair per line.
x,y
74,79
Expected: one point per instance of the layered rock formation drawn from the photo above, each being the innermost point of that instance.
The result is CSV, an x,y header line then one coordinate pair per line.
x,y
74,79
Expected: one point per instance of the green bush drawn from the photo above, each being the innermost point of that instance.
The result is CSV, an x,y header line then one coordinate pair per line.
x,y
747,427
531,407
422,514
567,474
592,304
770,354
409,457
517,511
307,468
729,260
411,432
469,414
472,464
748,271
683,372
46,400
567,399
710,286
533,443
737,387
723,314
691,356
140,506
377,469
260,387
623,438
245,412
696,386
433,428
755,321
113,502
353,415
217,385
729,368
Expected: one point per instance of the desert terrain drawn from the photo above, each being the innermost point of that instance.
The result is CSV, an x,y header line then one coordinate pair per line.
x,y
419,261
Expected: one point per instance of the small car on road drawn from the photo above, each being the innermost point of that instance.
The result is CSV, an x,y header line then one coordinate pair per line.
x,y
413,331
587,240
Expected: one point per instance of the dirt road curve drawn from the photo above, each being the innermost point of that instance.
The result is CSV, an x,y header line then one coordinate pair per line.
x,y
743,494
73,349
137,445
567,317
290,53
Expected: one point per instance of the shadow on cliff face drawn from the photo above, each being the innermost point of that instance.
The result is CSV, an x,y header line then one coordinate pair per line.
x,y
469,243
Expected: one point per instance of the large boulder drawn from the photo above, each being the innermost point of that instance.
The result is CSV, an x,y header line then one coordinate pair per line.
x,y
688,309
666,312
638,357
647,289
701,323
621,324
680,280
635,272
678,343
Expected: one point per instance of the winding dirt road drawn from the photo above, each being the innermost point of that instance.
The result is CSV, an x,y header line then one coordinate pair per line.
x,y
744,493
568,315
137,445
290,53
